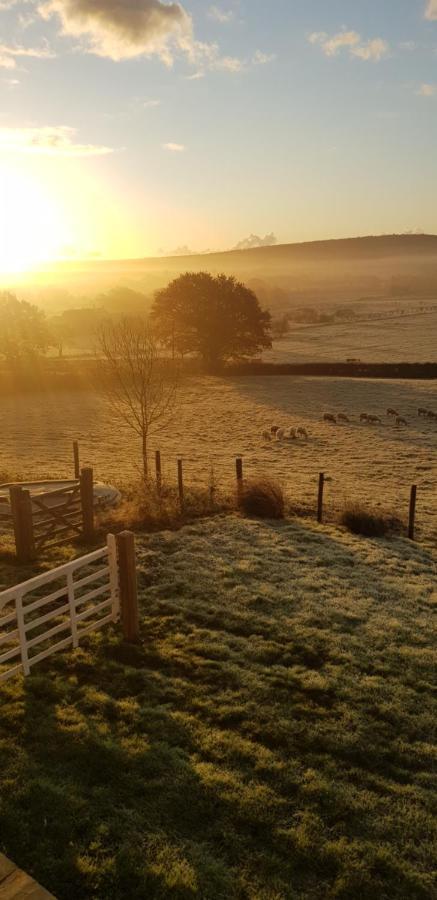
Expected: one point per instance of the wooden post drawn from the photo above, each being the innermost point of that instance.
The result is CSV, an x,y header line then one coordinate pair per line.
x,y
239,472
87,502
76,460
320,497
158,471
412,516
181,485
22,517
128,586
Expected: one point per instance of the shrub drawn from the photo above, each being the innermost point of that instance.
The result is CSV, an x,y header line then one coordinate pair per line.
x,y
367,522
263,498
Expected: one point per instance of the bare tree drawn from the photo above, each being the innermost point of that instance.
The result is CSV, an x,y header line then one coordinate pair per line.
x,y
139,385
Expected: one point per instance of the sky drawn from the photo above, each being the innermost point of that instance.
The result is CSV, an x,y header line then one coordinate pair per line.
x,y
141,127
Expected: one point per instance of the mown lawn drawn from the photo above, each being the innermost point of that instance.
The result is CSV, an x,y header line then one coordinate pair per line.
x,y
270,738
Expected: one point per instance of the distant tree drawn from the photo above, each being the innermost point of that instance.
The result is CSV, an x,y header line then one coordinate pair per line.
x,y
138,384
217,318
23,328
124,301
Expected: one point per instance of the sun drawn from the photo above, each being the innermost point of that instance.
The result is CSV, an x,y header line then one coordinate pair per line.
x,y
32,229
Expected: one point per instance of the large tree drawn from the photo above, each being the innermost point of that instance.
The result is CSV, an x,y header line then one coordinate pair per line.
x,y
216,317
23,328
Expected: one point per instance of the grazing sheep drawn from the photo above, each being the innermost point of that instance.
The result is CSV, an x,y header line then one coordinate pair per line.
x,y
266,436
364,417
303,433
328,417
374,420
342,418
392,412
422,412
401,421
431,415
280,434
274,429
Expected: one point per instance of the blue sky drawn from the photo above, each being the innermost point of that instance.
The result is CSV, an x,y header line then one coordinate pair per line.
x,y
197,124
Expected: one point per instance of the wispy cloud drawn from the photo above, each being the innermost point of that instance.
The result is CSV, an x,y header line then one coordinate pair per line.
x,y
174,148
9,54
151,104
350,41
431,10
58,140
262,59
223,16
427,90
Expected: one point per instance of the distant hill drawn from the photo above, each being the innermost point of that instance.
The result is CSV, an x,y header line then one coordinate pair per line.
x,y
280,256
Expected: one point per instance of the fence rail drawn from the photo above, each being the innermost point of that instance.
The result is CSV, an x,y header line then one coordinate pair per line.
x,y
76,605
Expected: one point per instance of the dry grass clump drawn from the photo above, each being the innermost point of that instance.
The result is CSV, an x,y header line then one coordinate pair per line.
x,y
367,522
145,508
263,498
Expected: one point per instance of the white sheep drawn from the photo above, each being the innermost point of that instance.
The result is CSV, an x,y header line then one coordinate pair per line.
x,y
280,434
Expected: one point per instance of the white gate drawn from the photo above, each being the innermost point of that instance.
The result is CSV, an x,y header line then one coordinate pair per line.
x,y
30,617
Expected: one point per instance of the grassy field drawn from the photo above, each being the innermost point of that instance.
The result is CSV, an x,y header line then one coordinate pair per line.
x,y
270,738
219,418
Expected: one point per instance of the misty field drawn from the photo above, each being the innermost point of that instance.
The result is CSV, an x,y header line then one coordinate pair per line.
x,y
217,419
270,738
393,339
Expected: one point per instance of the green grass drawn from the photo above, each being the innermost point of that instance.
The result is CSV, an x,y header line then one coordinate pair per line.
x,y
269,738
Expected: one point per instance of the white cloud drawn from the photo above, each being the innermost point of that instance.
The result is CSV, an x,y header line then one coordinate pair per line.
x,y
123,29
55,140
255,241
427,90
174,148
262,59
352,42
151,104
10,54
228,64
431,10
220,15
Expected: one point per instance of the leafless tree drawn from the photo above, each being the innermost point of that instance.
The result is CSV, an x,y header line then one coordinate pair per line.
x,y
139,385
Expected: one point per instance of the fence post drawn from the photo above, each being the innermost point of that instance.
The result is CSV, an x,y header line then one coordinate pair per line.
x,y
128,586
320,497
412,515
181,485
87,502
76,460
239,472
22,517
158,471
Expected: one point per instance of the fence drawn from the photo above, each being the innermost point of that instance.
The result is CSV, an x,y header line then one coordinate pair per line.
x,y
77,605
48,519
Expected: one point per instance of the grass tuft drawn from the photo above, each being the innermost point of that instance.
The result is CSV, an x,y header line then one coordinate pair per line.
x,y
367,522
263,499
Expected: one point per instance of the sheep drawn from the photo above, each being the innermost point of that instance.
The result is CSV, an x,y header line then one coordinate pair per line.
x,y
364,417
266,436
422,412
303,433
343,418
328,417
401,421
431,415
374,420
392,412
274,429
280,434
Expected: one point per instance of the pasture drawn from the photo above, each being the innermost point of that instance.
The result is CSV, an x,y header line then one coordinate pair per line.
x,y
268,739
218,419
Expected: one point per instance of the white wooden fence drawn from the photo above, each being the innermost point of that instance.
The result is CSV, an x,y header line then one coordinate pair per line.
x,y
33,617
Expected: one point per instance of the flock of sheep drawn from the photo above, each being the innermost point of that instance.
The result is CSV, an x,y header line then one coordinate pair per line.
x,y
275,433
375,420
282,434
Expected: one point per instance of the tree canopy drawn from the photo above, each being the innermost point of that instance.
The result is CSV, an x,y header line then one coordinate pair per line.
x,y
216,317
23,328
